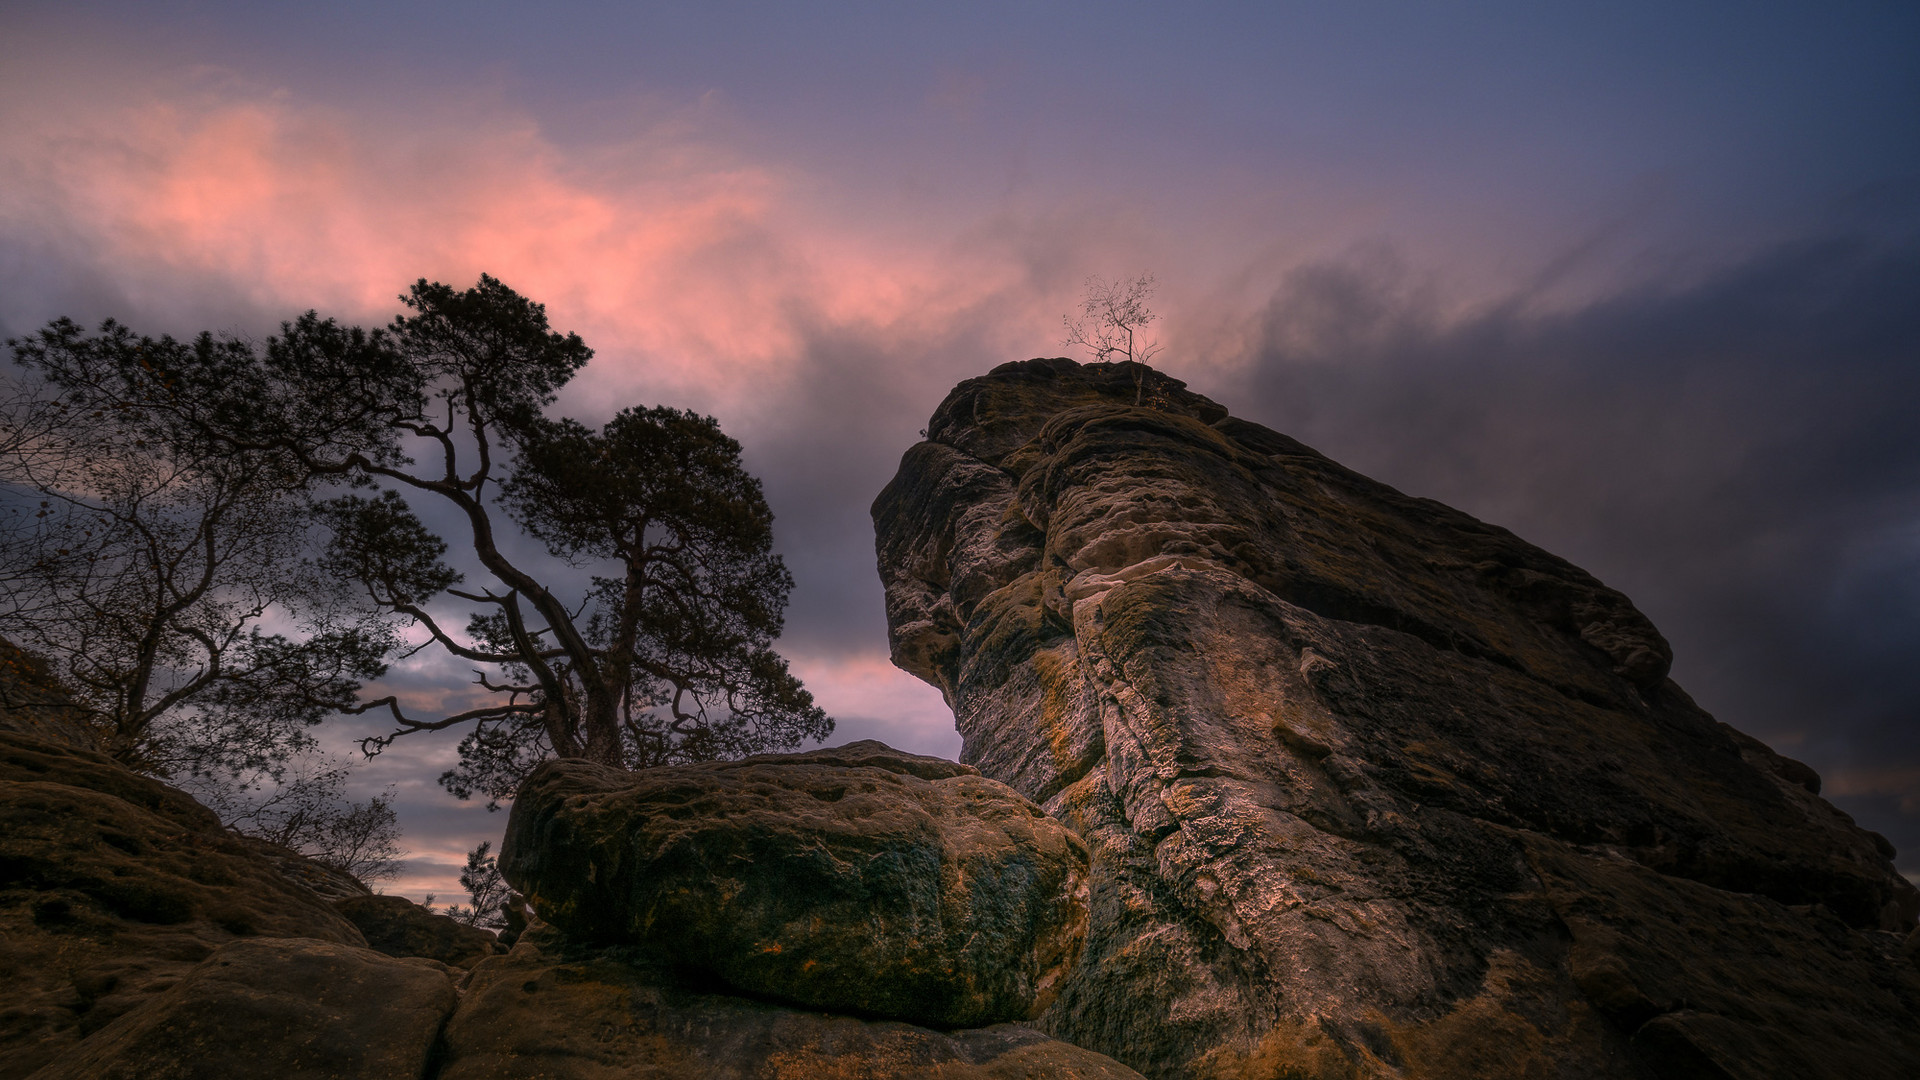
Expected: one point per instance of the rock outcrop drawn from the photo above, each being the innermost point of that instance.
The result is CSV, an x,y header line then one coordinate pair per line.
x,y
1372,788
34,704
139,940
113,888
277,1007
556,1013
856,879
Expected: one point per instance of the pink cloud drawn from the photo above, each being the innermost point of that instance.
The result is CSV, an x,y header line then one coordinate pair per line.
x,y
668,252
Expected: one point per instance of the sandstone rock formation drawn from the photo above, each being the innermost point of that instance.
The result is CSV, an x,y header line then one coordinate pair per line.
x,y
397,926
113,888
291,1008
545,1011
856,879
1372,788
33,703
141,941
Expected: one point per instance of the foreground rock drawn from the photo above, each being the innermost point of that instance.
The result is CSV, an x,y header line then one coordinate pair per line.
x,y
292,1009
1372,788
141,941
113,888
857,879
32,702
544,1012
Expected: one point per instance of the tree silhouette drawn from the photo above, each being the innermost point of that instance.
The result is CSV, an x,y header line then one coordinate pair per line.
x,y
664,654
154,568
1113,319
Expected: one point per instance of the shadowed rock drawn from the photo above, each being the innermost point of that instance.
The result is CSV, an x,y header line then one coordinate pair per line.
x,y
539,1012
141,941
1372,788
397,926
854,879
34,704
290,1008
112,888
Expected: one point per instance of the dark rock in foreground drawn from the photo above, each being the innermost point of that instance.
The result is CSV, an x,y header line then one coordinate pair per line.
x,y
397,926
1372,788
34,704
288,1008
141,941
542,1013
855,879
113,888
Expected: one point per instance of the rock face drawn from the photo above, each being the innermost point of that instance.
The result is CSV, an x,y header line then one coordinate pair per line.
x,y
1372,788
139,940
856,879
33,703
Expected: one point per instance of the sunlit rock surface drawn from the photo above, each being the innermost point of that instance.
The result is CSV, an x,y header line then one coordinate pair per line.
x,y
1372,788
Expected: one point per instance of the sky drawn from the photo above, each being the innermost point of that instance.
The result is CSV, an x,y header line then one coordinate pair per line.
x,y
1638,281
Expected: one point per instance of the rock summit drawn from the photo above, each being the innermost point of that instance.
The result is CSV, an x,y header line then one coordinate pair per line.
x,y
1372,788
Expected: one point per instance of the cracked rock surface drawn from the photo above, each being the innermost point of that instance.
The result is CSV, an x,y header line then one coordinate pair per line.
x,y
1372,788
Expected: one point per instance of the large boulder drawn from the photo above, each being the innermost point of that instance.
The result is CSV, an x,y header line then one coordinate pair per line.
x,y
291,1009
1371,787
397,926
856,879
540,1013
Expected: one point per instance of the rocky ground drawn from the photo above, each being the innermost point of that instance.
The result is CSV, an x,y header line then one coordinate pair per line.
x,y
1372,788
854,912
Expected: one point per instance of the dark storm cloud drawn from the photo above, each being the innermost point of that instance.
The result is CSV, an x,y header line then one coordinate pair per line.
x,y
834,444
1740,454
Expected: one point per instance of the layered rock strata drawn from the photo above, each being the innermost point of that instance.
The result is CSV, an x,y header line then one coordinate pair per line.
x,y
1372,788
856,879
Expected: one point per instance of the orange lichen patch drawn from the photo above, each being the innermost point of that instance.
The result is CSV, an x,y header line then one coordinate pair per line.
x,y
1490,1036
1487,1036
1060,677
1289,1051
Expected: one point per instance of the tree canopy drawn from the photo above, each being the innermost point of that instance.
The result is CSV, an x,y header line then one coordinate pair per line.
x,y
161,573
644,636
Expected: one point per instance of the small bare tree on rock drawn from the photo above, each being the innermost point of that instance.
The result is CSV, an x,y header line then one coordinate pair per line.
x,y
1113,320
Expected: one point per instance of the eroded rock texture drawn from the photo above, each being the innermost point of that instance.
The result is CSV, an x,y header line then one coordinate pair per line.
x,y
549,1012
115,887
854,879
289,1008
397,926
1372,788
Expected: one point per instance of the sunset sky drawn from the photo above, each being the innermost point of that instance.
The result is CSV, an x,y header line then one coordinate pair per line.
x,y
1639,281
